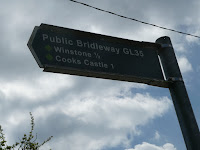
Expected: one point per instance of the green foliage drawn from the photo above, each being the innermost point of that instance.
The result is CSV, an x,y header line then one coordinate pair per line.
x,y
27,142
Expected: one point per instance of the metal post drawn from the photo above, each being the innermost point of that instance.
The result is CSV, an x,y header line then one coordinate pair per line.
x,y
179,95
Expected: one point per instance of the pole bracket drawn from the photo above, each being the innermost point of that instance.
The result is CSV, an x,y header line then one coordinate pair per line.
x,y
166,45
175,79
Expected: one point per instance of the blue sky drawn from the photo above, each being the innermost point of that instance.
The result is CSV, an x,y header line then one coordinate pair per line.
x,y
89,113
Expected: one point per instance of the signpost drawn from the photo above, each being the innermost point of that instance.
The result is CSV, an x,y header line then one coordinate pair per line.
x,y
179,95
63,50
75,52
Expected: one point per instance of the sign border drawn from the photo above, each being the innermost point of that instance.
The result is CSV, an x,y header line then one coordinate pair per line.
x,y
103,75
30,42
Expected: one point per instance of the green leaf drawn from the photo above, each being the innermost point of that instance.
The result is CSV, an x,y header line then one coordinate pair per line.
x,y
49,57
48,48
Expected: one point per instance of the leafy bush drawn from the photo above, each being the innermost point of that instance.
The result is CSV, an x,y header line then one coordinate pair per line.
x,y
27,142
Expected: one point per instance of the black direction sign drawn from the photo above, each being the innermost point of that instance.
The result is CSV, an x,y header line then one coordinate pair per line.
x,y
69,51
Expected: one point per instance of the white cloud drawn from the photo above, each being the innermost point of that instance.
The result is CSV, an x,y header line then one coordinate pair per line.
x,y
96,122
194,29
90,113
93,116
42,87
157,135
148,146
184,64
192,39
179,47
48,84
